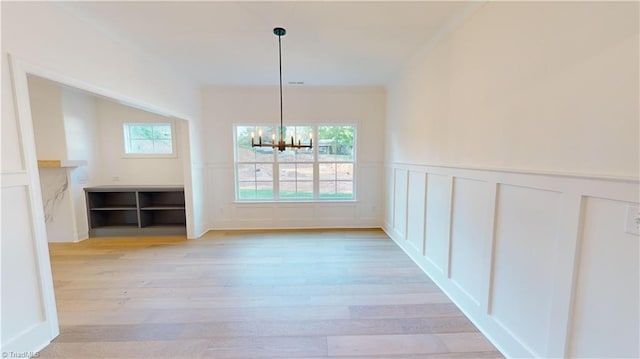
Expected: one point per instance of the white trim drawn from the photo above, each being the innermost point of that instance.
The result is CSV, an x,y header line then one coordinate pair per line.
x,y
579,175
14,178
566,275
292,201
489,255
40,333
601,187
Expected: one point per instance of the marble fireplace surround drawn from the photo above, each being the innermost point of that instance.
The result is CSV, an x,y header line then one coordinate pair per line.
x,y
61,183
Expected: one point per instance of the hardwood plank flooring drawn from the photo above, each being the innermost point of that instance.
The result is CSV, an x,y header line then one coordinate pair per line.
x,y
253,294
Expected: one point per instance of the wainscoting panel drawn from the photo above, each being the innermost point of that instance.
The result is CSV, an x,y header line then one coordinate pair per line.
x,y
335,211
526,233
24,287
250,213
606,315
224,212
438,221
470,214
388,197
539,262
400,202
415,210
295,213
368,191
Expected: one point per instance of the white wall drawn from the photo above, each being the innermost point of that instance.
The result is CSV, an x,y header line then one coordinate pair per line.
x,y
116,168
486,129
223,107
45,40
48,119
534,86
48,115
81,132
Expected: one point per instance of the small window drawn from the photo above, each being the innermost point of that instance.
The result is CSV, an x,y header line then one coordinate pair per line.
x,y
148,139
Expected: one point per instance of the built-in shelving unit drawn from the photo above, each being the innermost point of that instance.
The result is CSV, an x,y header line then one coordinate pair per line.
x,y
131,210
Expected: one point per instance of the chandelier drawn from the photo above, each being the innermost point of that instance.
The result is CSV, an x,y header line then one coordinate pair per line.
x,y
281,145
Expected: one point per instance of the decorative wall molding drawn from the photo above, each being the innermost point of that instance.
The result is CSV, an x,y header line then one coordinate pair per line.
x,y
227,213
14,178
442,166
505,247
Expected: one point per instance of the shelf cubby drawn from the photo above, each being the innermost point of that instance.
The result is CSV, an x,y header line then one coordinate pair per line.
x,y
135,210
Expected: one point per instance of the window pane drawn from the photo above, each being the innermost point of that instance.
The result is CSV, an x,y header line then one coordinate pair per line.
x,y
140,132
141,146
264,190
305,189
246,190
162,132
243,143
336,143
336,189
344,171
300,135
296,180
287,172
327,171
255,190
246,173
264,172
263,154
305,172
296,155
327,189
245,152
162,146
287,189
304,155
344,189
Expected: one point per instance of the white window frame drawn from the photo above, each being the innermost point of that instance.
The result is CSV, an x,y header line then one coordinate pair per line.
x,y
317,162
125,140
276,166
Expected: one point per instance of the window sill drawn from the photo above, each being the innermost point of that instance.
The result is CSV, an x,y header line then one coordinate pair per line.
x,y
314,201
150,156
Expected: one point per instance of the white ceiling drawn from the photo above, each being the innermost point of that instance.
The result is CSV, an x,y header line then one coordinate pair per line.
x,y
232,43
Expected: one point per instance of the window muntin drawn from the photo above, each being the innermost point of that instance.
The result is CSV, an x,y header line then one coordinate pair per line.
x,y
295,180
255,181
148,138
325,172
336,180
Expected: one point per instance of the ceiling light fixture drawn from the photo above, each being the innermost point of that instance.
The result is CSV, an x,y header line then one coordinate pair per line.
x,y
281,145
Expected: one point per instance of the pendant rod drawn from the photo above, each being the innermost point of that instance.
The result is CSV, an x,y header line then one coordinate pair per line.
x,y
280,63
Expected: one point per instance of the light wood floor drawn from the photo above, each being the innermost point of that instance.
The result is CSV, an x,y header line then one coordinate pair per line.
x,y
279,294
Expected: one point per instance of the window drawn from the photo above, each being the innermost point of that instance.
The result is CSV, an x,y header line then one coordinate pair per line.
x,y
148,139
335,161
325,172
